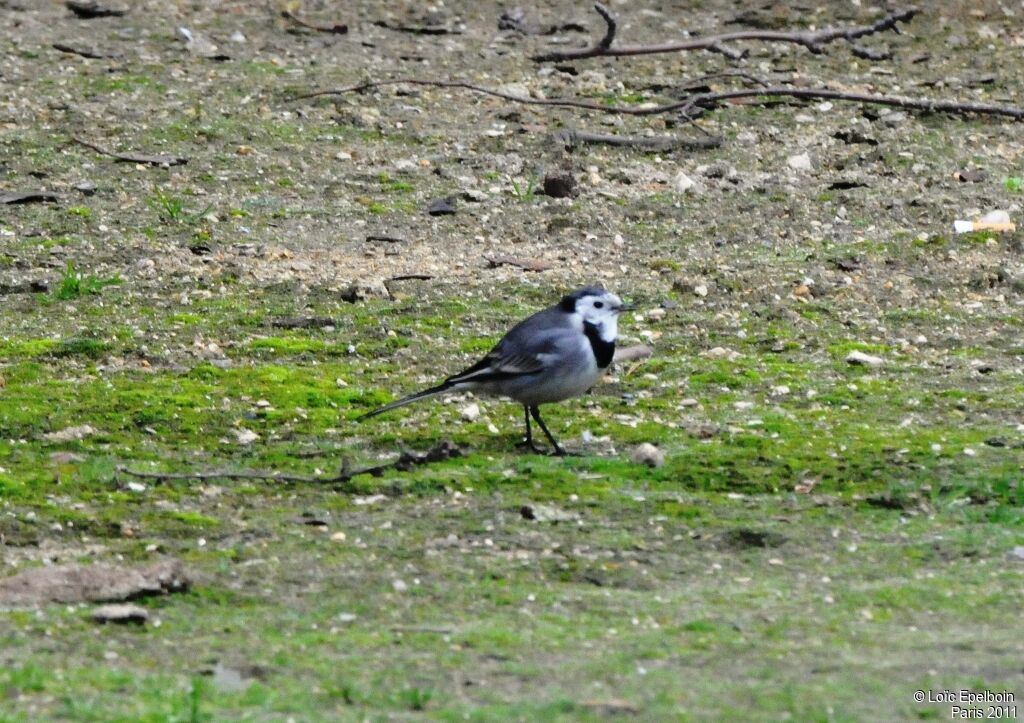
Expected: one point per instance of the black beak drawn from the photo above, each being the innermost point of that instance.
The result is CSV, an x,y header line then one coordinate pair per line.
x,y
626,307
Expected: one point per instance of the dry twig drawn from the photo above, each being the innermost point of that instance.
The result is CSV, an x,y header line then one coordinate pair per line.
x,y
153,160
701,101
90,53
336,28
406,461
572,137
812,40
535,265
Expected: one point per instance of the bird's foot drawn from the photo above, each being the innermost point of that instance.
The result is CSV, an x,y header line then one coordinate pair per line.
x,y
530,445
563,452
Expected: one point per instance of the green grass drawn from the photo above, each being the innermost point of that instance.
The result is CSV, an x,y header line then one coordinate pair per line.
x,y
74,284
527,191
664,571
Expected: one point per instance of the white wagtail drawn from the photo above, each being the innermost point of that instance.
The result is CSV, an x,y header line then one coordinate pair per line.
x,y
555,354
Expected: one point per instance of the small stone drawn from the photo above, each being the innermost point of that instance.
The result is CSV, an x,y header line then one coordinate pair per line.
x,y
701,290
405,165
683,183
474,196
656,314
546,513
517,89
399,585
799,162
721,352
970,175
470,412
120,613
893,118
649,455
442,207
245,436
230,680
70,434
560,184
862,359
66,458
1017,553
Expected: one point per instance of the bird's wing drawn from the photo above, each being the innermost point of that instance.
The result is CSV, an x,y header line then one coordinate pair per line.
x,y
528,348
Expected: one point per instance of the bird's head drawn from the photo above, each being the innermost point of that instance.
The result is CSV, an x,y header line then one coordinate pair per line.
x,y
597,307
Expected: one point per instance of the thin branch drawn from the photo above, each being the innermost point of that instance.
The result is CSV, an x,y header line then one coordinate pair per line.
x,y
406,461
572,137
153,160
703,100
559,102
706,100
84,52
605,43
812,40
336,28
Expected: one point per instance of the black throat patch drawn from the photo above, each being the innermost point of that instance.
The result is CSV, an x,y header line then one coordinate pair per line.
x,y
603,350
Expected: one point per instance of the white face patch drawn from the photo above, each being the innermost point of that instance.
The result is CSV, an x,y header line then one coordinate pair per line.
x,y
608,329
603,312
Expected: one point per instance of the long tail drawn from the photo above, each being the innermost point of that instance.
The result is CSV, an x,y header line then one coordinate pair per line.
x,y
442,387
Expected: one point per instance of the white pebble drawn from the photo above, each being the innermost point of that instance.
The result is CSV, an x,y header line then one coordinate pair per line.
x,y
862,359
649,455
799,162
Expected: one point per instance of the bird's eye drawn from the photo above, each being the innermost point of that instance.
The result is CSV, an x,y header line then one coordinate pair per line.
x,y
598,304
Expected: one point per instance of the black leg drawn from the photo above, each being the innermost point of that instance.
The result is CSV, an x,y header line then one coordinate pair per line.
x,y
528,442
535,411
